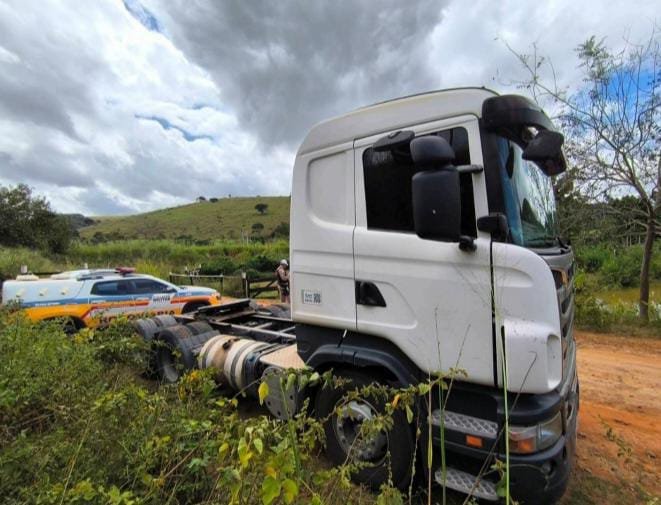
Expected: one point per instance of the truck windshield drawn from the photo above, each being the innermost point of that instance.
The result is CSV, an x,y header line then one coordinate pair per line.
x,y
529,199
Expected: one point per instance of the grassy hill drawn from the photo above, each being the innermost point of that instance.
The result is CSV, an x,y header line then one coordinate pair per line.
x,y
224,219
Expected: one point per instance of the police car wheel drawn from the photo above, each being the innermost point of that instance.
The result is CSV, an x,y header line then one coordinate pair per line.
x,y
70,326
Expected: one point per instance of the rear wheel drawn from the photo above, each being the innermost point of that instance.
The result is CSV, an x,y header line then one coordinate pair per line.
x,y
164,320
70,325
170,362
198,327
381,456
176,349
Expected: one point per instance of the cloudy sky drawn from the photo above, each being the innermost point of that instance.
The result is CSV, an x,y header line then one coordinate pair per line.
x,y
116,107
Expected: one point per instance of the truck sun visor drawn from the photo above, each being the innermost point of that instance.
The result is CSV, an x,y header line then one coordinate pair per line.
x,y
513,110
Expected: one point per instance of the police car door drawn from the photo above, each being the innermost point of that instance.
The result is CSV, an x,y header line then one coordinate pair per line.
x,y
109,299
153,296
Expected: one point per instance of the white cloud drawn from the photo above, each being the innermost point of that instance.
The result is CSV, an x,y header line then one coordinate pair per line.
x,y
73,85
111,107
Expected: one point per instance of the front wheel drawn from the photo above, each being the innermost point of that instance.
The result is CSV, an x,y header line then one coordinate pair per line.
x,y
380,457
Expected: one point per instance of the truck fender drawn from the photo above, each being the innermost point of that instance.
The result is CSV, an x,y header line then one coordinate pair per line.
x,y
328,356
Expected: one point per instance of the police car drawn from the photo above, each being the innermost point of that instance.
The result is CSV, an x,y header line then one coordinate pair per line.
x,y
89,298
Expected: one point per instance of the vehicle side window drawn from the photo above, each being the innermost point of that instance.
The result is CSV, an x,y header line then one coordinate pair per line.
x,y
388,186
145,286
111,288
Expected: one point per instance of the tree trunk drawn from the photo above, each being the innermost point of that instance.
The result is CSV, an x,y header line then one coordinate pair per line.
x,y
643,304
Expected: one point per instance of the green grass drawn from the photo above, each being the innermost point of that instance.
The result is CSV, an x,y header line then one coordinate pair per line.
x,y
629,295
225,219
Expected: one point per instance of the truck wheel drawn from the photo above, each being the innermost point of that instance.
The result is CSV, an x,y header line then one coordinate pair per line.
x,y
173,354
146,328
197,327
164,320
388,454
177,351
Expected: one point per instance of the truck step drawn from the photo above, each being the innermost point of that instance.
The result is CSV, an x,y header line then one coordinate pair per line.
x,y
465,424
467,483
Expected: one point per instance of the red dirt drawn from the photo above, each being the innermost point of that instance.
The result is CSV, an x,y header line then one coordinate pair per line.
x,y
620,411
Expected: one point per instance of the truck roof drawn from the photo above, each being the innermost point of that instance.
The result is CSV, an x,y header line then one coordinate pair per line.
x,y
394,114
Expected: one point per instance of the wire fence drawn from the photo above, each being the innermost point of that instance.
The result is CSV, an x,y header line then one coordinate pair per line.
x,y
230,285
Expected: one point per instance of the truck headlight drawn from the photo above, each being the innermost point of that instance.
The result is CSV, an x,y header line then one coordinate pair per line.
x,y
529,439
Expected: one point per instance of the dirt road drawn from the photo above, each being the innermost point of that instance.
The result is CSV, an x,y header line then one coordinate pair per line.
x,y
619,446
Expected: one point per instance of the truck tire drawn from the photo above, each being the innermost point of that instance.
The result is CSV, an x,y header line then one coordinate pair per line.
x,y
164,321
174,352
198,327
146,328
388,454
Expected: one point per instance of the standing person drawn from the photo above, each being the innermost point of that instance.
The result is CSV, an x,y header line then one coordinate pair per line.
x,y
282,276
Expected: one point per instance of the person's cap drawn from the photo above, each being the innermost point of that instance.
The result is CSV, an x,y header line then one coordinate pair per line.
x,y
284,263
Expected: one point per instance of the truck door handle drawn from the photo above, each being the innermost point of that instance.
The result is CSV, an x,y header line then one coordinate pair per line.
x,y
368,294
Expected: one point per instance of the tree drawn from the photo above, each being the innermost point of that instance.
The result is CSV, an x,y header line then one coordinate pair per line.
x,y
613,126
257,228
281,231
261,208
201,199
213,200
27,220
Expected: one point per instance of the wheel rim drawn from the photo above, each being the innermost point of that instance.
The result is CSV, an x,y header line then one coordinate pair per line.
x,y
347,424
168,365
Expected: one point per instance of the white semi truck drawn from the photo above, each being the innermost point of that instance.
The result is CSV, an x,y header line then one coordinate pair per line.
x,y
423,239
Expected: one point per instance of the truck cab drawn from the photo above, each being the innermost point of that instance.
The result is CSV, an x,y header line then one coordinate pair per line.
x,y
424,239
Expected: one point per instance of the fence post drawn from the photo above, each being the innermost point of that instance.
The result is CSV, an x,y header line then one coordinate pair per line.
x,y
222,287
246,284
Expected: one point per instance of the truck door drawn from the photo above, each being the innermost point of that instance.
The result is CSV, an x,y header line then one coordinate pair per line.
x,y
429,298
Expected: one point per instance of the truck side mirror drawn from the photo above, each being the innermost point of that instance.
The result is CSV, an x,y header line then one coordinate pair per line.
x,y
546,150
436,195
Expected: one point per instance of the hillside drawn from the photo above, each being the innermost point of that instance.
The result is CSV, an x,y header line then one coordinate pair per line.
x,y
224,219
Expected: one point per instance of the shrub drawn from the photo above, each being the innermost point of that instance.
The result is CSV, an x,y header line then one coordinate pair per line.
x,y
591,259
221,265
12,259
79,425
622,268
262,263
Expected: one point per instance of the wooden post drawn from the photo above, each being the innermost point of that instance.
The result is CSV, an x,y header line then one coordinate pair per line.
x,y
246,284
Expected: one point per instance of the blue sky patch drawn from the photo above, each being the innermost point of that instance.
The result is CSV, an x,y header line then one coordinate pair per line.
x,y
146,18
166,125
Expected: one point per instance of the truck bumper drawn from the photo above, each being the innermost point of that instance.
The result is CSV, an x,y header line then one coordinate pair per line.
x,y
540,478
